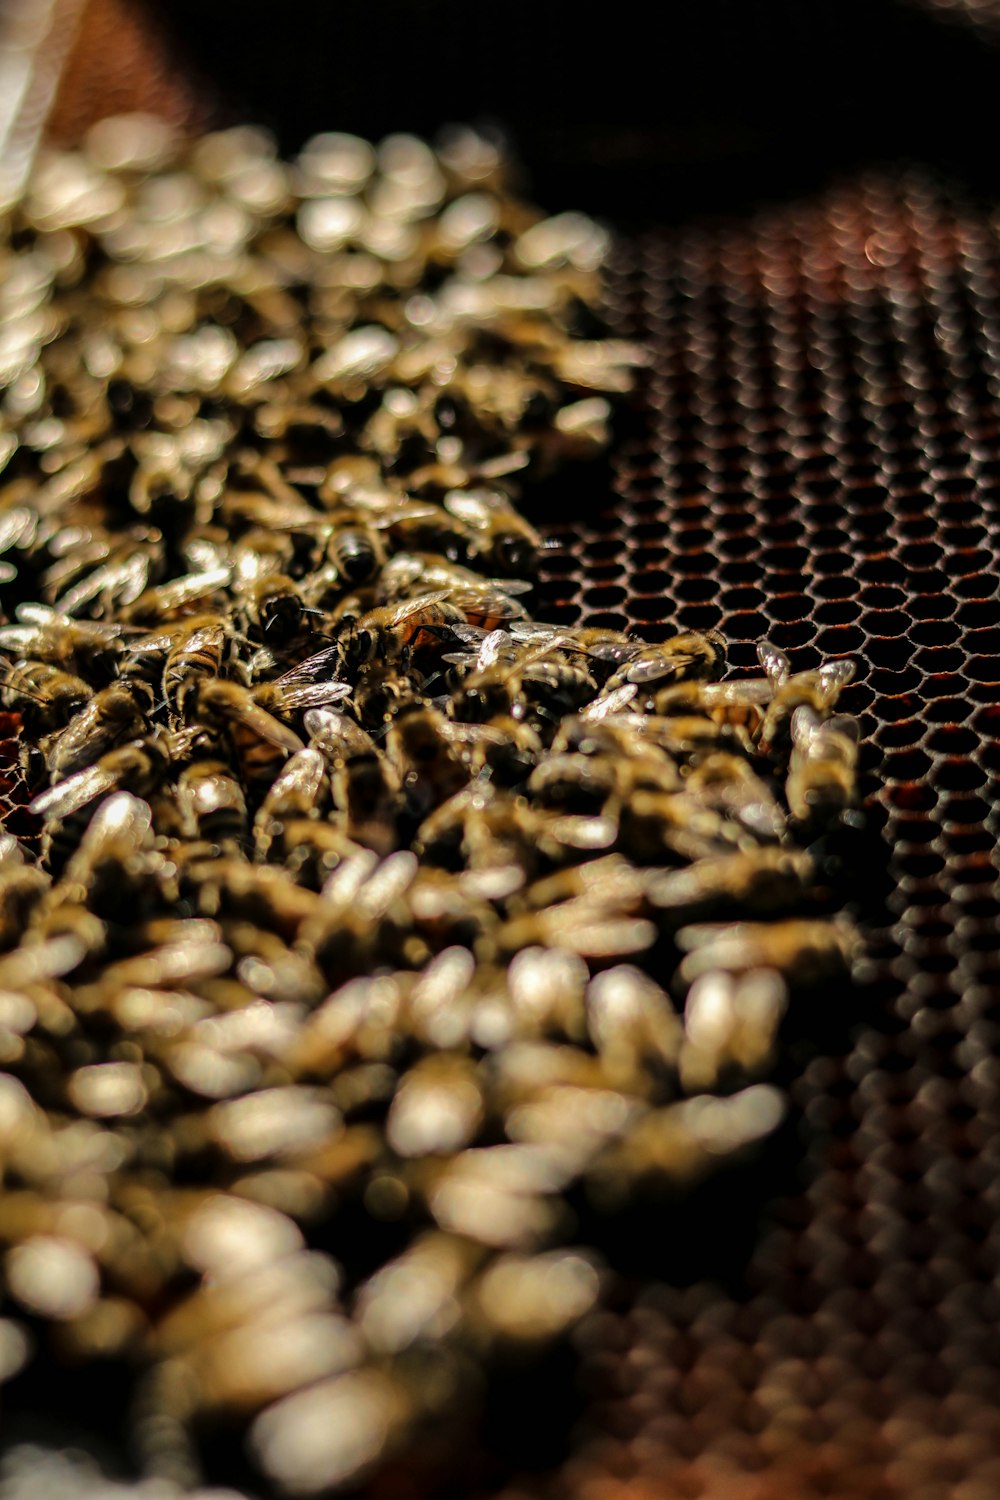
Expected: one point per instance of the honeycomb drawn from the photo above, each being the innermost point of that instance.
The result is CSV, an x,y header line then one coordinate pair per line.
x,y
817,461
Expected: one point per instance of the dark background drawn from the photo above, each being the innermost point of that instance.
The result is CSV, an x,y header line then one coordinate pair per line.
x,y
647,113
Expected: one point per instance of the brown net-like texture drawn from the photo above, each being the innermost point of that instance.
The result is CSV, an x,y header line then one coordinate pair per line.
x,y
819,463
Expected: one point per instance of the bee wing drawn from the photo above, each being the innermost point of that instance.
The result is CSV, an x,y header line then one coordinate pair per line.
x,y
184,590
18,639
474,510
489,650
121,823
611,703
267,727
776,665
387,882
66,798
805,725
311,666
845,725
153,645
314,695
511,585
17,526
123,581
304,772
410,607
833,676
653,668
7,571
747,690
382,522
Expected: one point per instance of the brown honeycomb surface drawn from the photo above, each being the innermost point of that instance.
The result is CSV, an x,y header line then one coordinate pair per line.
x,y
818,463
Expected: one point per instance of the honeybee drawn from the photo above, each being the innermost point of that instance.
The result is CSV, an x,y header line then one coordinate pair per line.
x,y
729,783
115,859
429,769
181,655
296,794
22,886
757,881
817,690
398,630
138,767
114,714
212,804
45,696
260,742
384,690
168,601
357,552
494,531
84,646
336,736
823,766
692,655
272,608
806,951
366,790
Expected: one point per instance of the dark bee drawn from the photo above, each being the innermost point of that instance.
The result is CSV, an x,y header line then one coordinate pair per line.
x,y
429,768
399,630
212,804
115,713
44,695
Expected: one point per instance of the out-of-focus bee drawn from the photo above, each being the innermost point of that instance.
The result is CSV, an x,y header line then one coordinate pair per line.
x,y
363,919
691,656
822,775
45,696
168,601
297,793
574,783
505,749
384,690
729,783
399,630
729,1020
429,769
806,951
758,882
366,790
83,646
658,828
116,713
818,690
494,531
115,862
212,804
337,736
138,767
22,886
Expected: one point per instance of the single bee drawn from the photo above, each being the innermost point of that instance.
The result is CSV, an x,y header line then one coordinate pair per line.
x,y
297,793
138,767
366,790
758,882
212,804
45,696
272,609
115,713
494,532
44,634
822,774
806,951
22,887
730,785
260,742
115,863
817,690
179,657
399,630
384,690
692,655
429,769
356,552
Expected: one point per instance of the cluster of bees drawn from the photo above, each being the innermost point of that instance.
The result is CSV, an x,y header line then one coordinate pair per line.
x,y
370,919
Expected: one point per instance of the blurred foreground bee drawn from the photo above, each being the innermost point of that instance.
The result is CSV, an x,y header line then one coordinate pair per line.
x,y
822,774
818,690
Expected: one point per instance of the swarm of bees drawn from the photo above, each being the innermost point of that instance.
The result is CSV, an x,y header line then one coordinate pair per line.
x,y
370,920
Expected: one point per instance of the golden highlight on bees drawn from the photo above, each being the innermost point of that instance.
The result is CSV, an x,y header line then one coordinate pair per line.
x,y
370,921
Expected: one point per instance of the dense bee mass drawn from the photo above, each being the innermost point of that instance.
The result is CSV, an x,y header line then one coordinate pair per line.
x,y
358,897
